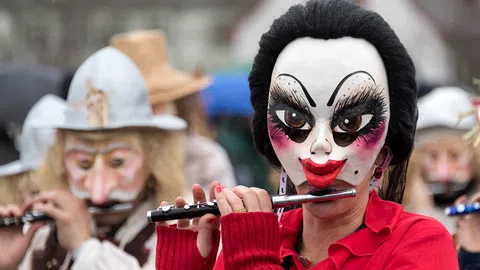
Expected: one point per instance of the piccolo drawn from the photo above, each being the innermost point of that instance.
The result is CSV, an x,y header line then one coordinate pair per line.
x,y
169,212
34,216
462,209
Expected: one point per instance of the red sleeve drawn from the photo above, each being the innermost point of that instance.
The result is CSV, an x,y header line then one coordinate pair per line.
x,y
251,241
177,249
426,245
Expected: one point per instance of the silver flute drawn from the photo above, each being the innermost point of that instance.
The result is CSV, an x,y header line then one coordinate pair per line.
x,y
34,216
169,212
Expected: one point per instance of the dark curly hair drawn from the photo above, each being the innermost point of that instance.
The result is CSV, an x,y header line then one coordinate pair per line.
x,y
332,19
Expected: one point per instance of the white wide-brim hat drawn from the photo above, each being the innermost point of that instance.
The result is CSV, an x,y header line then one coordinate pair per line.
x,y
35,142
111,78
442,108
165,122
13,168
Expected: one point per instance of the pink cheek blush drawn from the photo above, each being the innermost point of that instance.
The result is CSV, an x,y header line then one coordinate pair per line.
x,y
372,139
278,138
75,175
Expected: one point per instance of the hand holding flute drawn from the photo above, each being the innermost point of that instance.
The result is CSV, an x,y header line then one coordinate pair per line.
x,y
18,243
224,201
168,212
204,225
468,226
228,200
71,217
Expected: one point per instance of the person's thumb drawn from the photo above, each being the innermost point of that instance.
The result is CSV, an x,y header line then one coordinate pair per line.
x,y
206,225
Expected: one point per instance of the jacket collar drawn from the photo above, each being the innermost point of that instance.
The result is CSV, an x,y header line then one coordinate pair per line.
x,y
381,217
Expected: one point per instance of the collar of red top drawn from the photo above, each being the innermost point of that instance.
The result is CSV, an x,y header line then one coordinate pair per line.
x,y
380,218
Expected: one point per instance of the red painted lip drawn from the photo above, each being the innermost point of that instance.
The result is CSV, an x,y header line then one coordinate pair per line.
x,y
321,175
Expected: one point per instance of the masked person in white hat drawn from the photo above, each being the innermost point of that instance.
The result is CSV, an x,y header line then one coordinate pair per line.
x,y
175,92
17,178
112,162
443,166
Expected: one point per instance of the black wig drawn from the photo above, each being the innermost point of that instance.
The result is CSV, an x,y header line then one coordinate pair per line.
x,y
332,19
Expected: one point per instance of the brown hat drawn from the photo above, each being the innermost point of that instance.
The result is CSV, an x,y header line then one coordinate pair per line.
x,y
147,48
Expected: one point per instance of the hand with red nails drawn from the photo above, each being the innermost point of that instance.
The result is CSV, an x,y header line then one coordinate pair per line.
x,y
468,226
242,199
72,219
14,251
204,225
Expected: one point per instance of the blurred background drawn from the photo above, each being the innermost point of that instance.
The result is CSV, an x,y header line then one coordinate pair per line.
x,y
222,36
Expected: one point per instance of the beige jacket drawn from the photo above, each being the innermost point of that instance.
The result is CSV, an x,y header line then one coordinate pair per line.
x,y
206,161
96,255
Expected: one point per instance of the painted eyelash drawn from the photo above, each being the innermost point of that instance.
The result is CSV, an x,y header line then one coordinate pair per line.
x,y
272,112
372,94
281,99
368,135
295,134
278,95
369,101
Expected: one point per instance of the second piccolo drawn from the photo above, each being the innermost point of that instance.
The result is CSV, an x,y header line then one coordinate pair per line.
x,y
169,212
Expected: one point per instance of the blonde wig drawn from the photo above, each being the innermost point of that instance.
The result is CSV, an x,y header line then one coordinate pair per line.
x,y
417,196
16,188
164,154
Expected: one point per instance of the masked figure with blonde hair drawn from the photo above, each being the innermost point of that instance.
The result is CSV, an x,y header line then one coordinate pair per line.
x,y
174,92
17,178
443,166
112,161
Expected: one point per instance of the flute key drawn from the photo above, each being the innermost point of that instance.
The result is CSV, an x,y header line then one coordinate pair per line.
x,y
172,213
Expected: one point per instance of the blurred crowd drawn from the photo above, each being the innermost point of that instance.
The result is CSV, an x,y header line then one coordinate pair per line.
x,y
127,123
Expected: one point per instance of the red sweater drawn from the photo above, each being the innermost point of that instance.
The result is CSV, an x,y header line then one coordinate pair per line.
x,y
391,239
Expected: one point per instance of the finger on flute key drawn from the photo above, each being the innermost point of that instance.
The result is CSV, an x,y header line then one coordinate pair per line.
x,y
162,223
14,210
475,198
222,203
198,197
461,200
264,199
182,223
212,189
248,197
233,200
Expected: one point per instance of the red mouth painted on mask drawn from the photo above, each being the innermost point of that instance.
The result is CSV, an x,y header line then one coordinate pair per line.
x,y
321,175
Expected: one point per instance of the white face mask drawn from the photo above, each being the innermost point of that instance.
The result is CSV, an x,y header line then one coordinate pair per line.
x,y
328,110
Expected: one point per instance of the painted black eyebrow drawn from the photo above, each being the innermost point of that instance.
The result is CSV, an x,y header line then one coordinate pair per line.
x,y
309,98
281,97
334,94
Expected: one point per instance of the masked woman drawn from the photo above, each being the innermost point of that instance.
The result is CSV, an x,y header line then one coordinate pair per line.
x,y
334,95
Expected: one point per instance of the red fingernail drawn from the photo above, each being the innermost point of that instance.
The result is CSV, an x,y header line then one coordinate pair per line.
x,y
211,221
218,189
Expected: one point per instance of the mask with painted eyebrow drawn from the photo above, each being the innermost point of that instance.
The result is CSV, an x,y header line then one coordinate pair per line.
x,y
289,112
340,137
358,115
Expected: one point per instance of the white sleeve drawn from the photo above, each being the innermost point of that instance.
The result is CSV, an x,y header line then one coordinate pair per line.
x,y
96,255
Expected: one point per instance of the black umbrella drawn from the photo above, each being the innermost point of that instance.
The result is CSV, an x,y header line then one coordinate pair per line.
x,y
21,86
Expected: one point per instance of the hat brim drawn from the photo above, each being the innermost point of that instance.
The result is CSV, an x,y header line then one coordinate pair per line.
x,y
158,95
164,122
13,168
